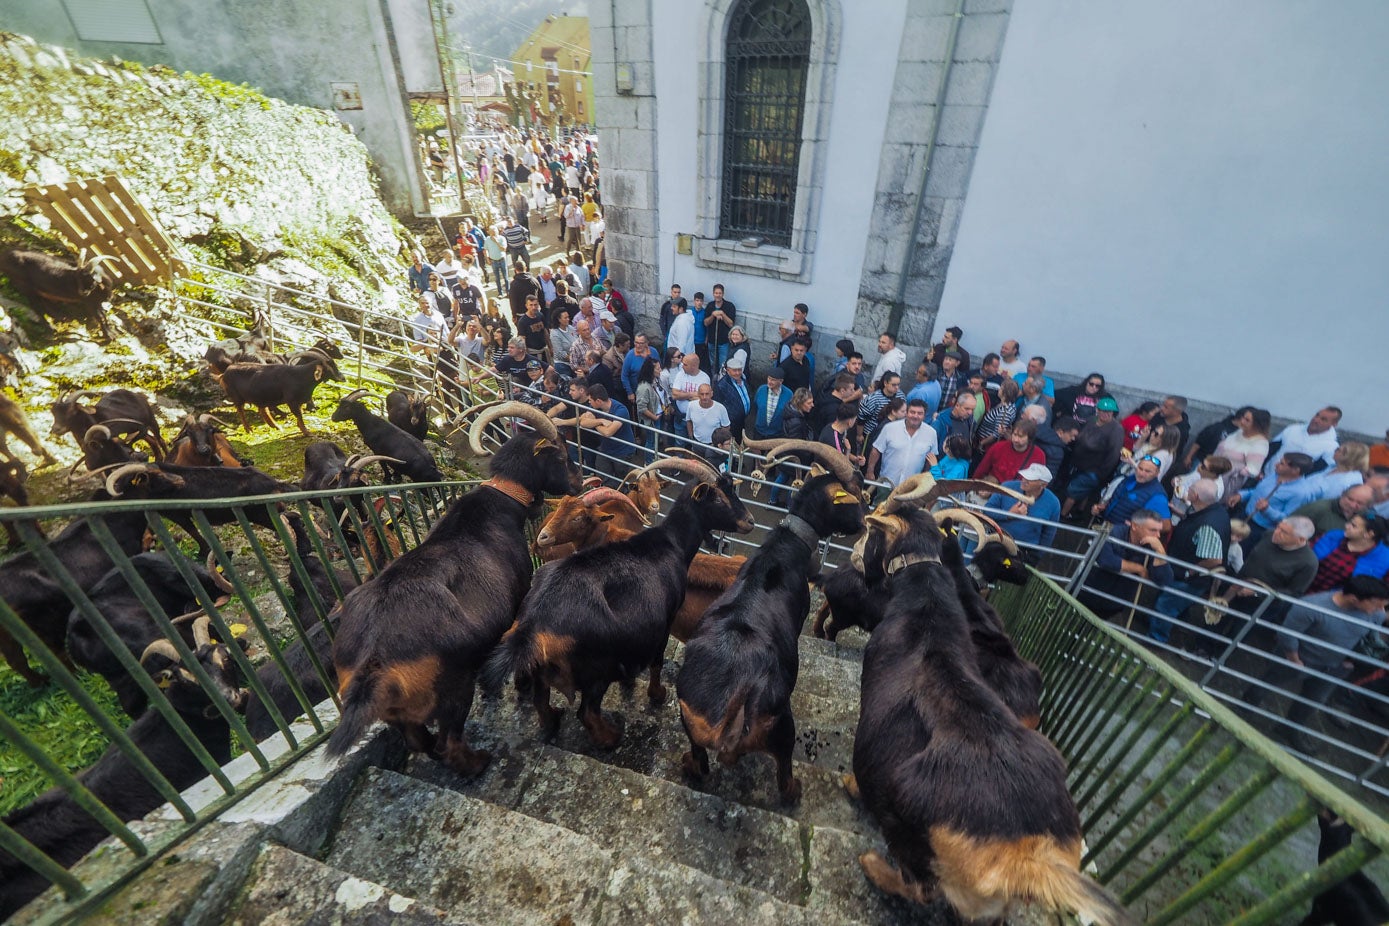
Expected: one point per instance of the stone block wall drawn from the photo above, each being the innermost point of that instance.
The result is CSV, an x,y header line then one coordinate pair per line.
x,y
914,176
620,36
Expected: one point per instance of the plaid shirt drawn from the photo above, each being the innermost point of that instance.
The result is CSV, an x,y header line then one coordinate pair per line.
x,y
1334,569
950,386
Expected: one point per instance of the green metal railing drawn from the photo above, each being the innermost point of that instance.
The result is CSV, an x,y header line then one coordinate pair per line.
x,y
1190,814
358,530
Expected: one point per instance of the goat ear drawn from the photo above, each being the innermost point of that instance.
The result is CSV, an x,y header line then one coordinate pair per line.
x,y
605,517
318,374
700,491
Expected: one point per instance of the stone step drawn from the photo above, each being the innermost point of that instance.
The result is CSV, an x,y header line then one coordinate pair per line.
x,y
635,815
287,888
484,862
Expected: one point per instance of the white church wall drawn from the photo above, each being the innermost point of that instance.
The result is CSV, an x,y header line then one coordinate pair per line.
x,y
1188,196
863,81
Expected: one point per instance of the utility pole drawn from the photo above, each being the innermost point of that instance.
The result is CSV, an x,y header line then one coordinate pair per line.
x,y
437,21
468,50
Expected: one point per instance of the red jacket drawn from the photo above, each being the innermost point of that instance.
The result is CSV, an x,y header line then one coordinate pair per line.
x,y
1002,462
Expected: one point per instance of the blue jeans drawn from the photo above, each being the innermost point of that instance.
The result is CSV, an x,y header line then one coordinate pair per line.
x,y
1171,604
499,275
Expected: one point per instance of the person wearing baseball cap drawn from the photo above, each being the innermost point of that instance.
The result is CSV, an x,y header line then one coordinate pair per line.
x,y
1042,511
769,404
1094,454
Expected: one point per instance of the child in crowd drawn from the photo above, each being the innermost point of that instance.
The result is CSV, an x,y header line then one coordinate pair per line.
x,y
955,464
1214,468
1239,532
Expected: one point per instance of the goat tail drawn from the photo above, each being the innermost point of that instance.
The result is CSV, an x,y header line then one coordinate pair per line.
x,y
1062,887
358,697
506,662
734,725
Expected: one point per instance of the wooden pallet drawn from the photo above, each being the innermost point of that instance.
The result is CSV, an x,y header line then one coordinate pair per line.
x,y
100,216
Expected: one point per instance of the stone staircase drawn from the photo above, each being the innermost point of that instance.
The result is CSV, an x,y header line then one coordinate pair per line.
x,y
562,833
557,833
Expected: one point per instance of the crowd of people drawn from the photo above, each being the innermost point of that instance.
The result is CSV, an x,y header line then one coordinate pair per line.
x,y
1301,512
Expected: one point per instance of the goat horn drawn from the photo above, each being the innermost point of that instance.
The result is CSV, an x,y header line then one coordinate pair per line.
x,y
461,421
762,446
999,534
598,496
834,461
204,418
218,579
914,491
691,455
358,461
123,470
951,486
532,415
964,517
111,421
105,433
202,635
162,648
354,395
679,464
99,258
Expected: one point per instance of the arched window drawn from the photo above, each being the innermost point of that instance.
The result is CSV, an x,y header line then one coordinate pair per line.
x,y
767,59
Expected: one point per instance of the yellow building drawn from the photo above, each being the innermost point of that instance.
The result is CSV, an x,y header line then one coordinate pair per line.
x,y
554,62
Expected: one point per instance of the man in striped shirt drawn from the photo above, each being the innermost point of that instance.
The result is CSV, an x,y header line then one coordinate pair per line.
x,y
872,405
518,240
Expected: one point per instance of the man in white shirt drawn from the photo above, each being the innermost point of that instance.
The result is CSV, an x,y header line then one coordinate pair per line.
x,y
1317,438
704,415
1010,359
684,385
681,335
903,448
426,325
890,357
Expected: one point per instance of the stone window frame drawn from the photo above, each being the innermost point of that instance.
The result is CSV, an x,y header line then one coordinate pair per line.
x,y
791,263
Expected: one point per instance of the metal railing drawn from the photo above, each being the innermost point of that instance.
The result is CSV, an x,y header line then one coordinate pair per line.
x,y
1190,814
358,531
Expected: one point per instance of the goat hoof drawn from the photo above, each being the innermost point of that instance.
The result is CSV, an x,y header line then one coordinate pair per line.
x,y
471,764
792,793
657,694
851,787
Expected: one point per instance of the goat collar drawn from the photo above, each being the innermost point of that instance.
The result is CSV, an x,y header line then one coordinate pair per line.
x,y
910,559
512,490
976,574
802,530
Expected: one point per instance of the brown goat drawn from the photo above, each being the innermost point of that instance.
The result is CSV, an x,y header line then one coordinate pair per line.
x,y
200,443
606,516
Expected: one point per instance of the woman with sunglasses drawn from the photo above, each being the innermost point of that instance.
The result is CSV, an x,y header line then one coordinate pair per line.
x,y
1079,401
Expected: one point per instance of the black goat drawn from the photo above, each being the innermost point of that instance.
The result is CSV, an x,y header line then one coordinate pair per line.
x,y
1356,901
55,287
132,622
14,421
266,386
414,461
408,412
37,598
101,449
411,641
323,351
972,804
253,346
200,442
299,655
742,662
327,467
64,832
13,477
127,416
204,483
603,614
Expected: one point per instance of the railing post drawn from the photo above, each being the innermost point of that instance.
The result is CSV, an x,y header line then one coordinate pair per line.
x,y
270,316
1097,543
1238,638
361,344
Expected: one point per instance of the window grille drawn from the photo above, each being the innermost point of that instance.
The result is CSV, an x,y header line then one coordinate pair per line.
x,y
768,55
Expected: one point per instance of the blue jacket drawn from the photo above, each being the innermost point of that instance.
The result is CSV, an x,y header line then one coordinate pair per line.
x,y
1374,562
1047,507
1131,496
1283,499
726,393
757,421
